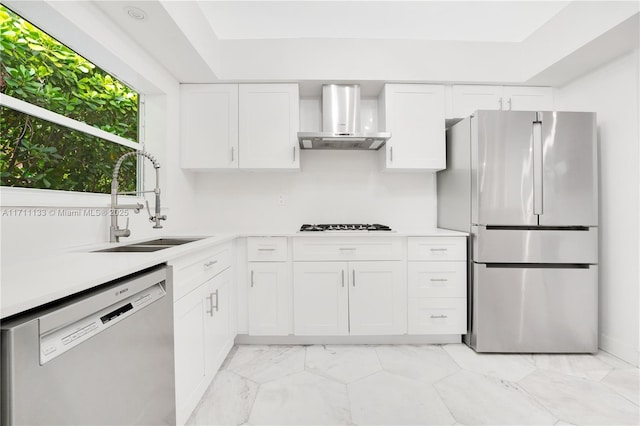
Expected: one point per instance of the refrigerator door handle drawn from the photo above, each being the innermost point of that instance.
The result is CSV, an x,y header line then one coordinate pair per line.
x,y
537,168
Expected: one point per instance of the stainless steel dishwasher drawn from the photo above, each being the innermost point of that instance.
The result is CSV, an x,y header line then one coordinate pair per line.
x,y
103,357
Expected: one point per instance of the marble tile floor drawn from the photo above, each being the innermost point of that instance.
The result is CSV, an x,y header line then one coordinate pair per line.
x,y
417,385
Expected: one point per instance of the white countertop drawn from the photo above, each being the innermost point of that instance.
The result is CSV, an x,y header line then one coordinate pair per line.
x,y
435,232
27,283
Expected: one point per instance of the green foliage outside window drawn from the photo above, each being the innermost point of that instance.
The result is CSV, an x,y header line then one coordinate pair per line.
x,y
35,153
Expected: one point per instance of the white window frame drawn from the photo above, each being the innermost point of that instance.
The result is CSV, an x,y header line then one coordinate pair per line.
x,y
37,197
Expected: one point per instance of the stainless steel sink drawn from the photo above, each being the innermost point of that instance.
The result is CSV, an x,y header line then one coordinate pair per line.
x,y
166,242
149,246
132,249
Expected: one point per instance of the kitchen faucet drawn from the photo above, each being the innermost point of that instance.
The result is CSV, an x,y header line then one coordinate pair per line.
x,y
116,232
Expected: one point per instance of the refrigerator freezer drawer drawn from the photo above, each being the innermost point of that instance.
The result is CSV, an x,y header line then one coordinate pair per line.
x,y
535,309
534,246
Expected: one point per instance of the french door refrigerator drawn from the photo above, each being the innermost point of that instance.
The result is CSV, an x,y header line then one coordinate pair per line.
x,y
524,185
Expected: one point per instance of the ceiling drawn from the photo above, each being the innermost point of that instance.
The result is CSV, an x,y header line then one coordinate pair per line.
x,y
479,42
486,21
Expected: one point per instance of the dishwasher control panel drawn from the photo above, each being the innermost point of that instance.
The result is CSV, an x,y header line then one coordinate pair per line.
x,y
57,342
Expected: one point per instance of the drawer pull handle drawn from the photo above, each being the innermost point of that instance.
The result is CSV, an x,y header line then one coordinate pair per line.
x,y
208,264
266,249
354,277
438,249
347,248
438,280
251,278
343,278
439,316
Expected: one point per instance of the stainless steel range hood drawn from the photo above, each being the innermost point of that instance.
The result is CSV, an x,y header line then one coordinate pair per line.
x,y
341,122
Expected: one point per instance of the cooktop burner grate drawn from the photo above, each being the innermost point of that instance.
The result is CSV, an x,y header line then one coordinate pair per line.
x,y
344,227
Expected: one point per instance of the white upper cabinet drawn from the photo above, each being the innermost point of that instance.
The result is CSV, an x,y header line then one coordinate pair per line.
x,y
468,98
246,126
269,120
209,126
528,98
415,116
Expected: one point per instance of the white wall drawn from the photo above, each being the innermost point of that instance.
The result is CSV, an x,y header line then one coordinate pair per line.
x,y
85,28
333,187
613,91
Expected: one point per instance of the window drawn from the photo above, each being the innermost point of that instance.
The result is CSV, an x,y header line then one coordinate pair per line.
x,y
63,121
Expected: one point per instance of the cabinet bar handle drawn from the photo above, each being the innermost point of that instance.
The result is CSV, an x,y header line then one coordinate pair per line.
x,y
252,278
354,277
439,316
343,278
347,248
438,279
509,103
391,154
232,154
213,262
500,102
438,249
266,249
294,154
211,307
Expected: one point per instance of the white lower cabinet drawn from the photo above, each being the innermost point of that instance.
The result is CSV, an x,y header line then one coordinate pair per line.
x,y
320,299
269,290
204,323
437,315
437,285
349,298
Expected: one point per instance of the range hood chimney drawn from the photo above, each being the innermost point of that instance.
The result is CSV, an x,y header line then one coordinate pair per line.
x,y
341,122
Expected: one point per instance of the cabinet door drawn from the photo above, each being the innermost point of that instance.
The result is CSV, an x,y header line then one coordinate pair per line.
x,y
320,299
377,298
269,313
218,339
189,332
268,126
518,98
468,98
209,126
414,114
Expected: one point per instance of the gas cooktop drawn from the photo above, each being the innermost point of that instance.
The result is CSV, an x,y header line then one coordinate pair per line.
x,y
344,227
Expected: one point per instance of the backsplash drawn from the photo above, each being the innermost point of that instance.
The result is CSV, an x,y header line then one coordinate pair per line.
x,y
332,187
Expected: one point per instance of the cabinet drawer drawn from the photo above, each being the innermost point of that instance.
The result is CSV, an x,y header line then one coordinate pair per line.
x,y
437,315
192,270
347,248
267,249
437,248
437,279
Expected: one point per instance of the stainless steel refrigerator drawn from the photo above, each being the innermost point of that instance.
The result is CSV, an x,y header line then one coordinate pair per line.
x,y
525,186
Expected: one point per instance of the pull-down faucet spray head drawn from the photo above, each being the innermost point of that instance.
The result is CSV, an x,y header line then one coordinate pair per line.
x,y
115,231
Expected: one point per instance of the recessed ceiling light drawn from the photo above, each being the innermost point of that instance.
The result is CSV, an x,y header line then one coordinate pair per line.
x,y
136,13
